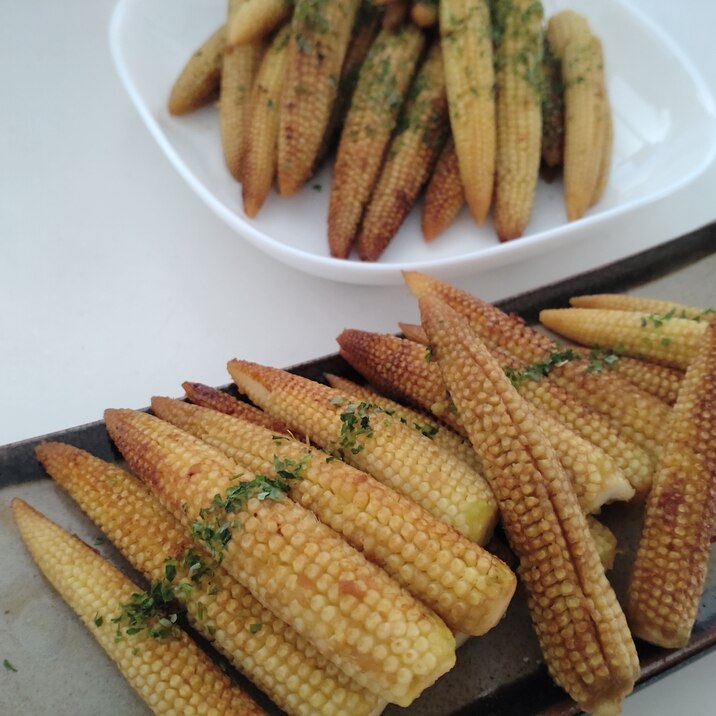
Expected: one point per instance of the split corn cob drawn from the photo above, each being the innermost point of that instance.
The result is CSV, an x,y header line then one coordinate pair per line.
x,y
320,33
552,107
171,674
198,82
265,649
424,12
444,195
672,558
657,380
349,609
662,338
581,628
255,19
470,591
466,36
371,440
414,149
518,112
382,86
625,302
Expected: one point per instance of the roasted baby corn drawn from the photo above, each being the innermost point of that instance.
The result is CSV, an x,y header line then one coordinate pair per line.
x,y
421,132
658,380
382,86
626,302
373,441
222,610
466,36
552,107
444,195
580,626
320,33
663,338
170,672
672,558
518,112
254,19
349,609
461,582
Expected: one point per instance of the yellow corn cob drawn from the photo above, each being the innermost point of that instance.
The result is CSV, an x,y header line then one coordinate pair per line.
x,y
371,440
198,82
382,85
518,112
673,554
424,12
604,540
470,594
413,152
255,641
255,19
552,108
662,338
581,628
349,609
171,674
657,380
444,196
626,302
259,161
320,33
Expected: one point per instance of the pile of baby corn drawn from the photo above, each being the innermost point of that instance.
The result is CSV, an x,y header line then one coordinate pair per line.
x,y
462,98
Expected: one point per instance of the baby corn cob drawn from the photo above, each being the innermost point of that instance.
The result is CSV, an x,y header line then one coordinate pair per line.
x,y
424,12
255,641
471,595
625,302
657,380
320,33
255,19
604,541
382,85
198,82
444,196
412,154
581,628
518,112
371,440
259,162
466,36
552,107
171,674
605,143
349,609
662,338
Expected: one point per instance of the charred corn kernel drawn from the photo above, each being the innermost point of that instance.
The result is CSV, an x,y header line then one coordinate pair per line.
x,y
373,441
604,541
626,302
198,82
320,33
379,95
421,131
300,569
673,554
444,195
259,161
518,112
660,337
552,107
153,666
218,607
657,380
424,12
466,36
254,19
580,626
465,585
638,415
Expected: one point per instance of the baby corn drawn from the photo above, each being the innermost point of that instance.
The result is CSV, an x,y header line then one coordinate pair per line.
x,y
255,641
373,441
466,36
580,626
552,107
444,196
518,111
672,558
379,95
164,666
657,380
626,302
349,609
254,19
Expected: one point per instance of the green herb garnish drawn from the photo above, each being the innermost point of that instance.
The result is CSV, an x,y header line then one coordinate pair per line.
x,y
355,423
540,369
8,665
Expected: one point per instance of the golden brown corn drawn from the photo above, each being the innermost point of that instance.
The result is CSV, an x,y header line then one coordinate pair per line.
x,y
254,19
382,86
171,673
657,380
626,302
413,151
673,554
265,649
552,107
466,36
444,195
580,626
349,609
373,441
518,112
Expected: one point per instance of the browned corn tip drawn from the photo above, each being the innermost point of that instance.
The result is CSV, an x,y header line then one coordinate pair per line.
x,y
254,19
172,675
626,302
672,558
444,195
588,647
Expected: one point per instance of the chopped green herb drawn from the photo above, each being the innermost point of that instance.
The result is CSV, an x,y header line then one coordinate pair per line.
x,y
700,316
599,358
98,620
428,354
429,431
657,320
540,369
355,423
665,341
8,665
255,628
317,187
100,539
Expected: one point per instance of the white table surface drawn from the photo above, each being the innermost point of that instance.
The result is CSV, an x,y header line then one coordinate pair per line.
x,y
117,283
